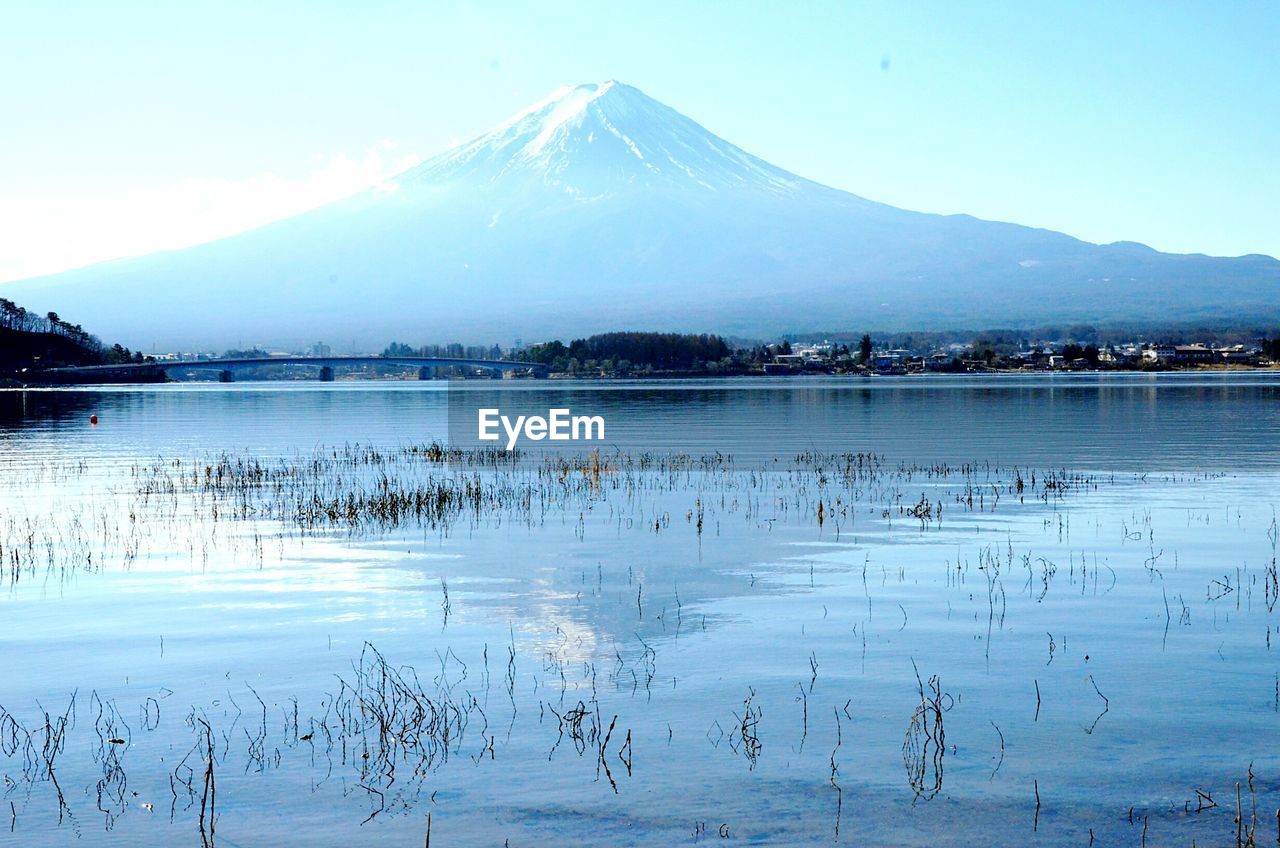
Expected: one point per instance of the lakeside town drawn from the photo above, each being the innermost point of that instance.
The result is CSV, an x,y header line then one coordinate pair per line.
x,y
975,357
36,349
641,355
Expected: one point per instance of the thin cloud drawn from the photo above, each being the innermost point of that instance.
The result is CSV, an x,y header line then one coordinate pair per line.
x,y
45,234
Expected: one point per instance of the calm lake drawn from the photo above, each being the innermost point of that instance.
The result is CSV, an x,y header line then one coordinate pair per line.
x,y
894,611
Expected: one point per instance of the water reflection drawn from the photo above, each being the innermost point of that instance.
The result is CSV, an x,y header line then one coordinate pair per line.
x,y
1105,422
918,655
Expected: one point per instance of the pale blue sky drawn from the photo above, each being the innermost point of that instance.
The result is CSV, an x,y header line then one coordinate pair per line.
x,y
129,126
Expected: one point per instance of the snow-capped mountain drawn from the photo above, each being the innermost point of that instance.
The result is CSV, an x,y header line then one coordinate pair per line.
x,y
600,208
590,140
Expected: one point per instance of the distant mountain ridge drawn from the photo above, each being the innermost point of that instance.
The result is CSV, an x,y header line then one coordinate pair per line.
x,y
599,208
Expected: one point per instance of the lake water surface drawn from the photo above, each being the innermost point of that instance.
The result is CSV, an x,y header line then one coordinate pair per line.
x,y
917,611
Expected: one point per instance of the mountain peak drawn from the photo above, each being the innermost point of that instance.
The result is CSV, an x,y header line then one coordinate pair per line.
x,y
599,207
597,139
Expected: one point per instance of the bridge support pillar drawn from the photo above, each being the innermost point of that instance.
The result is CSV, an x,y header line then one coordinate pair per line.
x,y
426,372
326,374
226,376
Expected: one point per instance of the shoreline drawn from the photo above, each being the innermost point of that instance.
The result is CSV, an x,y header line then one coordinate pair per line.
x,y
7,387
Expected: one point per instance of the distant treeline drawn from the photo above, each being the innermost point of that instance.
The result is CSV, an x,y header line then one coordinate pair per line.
x,y
632,351
245,353
444,351
33,341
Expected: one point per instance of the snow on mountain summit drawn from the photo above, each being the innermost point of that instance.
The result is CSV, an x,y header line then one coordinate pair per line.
x,y
598,138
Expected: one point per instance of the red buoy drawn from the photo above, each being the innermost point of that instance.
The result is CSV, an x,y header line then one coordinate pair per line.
x,y
93,419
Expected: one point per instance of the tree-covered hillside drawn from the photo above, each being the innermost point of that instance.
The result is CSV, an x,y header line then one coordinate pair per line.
x,y
30,341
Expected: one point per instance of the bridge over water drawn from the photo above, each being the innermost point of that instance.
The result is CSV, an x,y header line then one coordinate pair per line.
x,y
227,368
